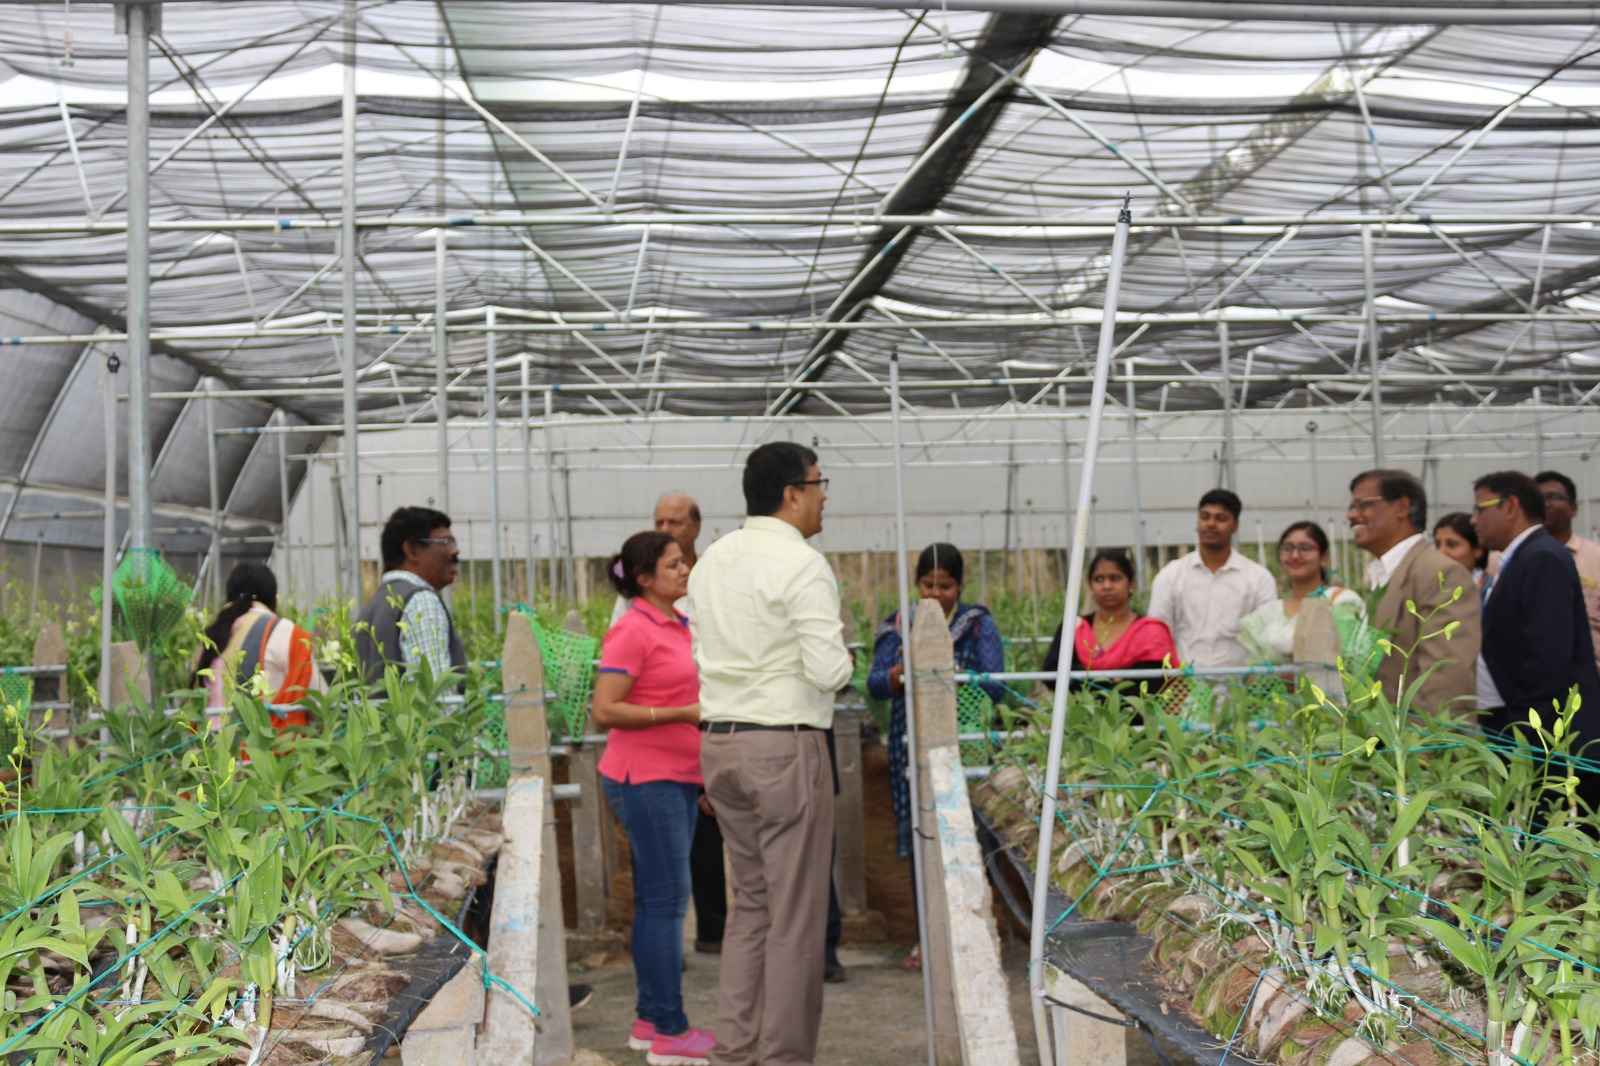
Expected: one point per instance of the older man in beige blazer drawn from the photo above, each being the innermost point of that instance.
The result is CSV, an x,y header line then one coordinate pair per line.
x,y
1387,513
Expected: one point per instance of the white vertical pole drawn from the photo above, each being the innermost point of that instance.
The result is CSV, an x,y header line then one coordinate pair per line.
x,y
494,462
213,478
347,305
441,369
140,509
527,486
1375,393
108,543
1225,354
1045,863
550,487
1138,496
308,492
903,582
1538,431
283,507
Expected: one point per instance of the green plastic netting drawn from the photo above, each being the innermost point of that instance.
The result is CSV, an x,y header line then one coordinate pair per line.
x,y
569,674
494,772
149,596
974,714
16,690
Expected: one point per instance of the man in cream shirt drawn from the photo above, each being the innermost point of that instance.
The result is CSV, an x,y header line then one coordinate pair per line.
x,y
764,610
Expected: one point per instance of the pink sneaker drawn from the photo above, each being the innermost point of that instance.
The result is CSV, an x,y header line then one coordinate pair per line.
x,y
692,1047
640,1036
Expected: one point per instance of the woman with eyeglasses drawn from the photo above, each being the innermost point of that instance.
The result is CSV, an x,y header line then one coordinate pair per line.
x,y
1316,621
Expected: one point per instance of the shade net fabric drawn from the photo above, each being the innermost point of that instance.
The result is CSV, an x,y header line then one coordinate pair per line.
x,y
596,117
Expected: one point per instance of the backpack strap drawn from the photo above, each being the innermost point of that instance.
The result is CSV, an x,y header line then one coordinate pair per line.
x,y
253,650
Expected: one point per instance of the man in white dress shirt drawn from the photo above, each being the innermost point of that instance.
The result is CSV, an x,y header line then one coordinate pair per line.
x,y
764,610
1203,596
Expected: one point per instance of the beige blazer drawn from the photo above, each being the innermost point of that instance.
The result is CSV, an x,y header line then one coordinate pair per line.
x,y
1453,686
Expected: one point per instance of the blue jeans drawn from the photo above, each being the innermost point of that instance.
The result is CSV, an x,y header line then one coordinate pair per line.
x,y
659,817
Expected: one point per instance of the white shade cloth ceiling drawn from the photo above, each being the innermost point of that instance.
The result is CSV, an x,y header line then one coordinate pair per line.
x,y
777,109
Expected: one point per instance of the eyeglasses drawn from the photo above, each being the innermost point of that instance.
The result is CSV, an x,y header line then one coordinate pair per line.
x,y
814,481
1362,503
1492,501
443,542
1298,549
1556,497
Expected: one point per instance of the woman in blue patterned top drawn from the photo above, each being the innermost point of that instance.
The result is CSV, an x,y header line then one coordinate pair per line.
x,y
977,648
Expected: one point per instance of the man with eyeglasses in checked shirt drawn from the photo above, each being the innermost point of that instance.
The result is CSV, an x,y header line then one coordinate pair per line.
x,y
406,621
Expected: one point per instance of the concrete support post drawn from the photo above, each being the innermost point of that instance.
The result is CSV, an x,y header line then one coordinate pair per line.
x,y
849,817
972,1015
1079,1036
588,814
528,744
516,929
129,677
50,649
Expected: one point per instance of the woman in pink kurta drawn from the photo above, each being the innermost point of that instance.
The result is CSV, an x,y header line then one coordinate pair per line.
x,y
647,696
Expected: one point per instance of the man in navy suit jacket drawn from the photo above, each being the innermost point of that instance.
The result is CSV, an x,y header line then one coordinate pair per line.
x,y
1536,642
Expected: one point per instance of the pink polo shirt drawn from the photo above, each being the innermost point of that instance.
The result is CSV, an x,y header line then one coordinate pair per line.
x,y
653,650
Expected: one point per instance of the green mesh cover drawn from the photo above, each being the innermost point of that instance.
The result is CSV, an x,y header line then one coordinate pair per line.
x,y
494,772
568,674
150,598
974,714
16,690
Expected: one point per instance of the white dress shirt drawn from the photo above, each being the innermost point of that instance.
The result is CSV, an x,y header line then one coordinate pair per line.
x,y
1203,609
764,611
1488,694
1381,569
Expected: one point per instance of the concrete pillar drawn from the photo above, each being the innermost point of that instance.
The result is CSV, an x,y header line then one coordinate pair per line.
x,y
130,679
50,649
588,837
849,819
972,1016
511,1034
1079,1037
528,746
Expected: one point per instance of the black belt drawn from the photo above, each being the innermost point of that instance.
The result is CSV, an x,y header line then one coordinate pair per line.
x,y
753,727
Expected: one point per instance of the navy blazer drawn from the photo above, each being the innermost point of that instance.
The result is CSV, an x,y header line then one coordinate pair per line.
x,y
1536,639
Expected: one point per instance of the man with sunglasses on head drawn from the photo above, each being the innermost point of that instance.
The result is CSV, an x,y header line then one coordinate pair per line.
x,y
406,621
1388,512
764,611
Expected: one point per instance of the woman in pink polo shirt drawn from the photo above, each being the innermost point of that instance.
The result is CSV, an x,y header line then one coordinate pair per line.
x,y
647,695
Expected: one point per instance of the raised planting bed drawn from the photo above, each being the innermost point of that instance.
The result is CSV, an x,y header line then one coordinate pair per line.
x,y
178,894
1312,883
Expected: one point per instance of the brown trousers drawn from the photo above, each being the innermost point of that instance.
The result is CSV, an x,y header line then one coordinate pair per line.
x,y
773,792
